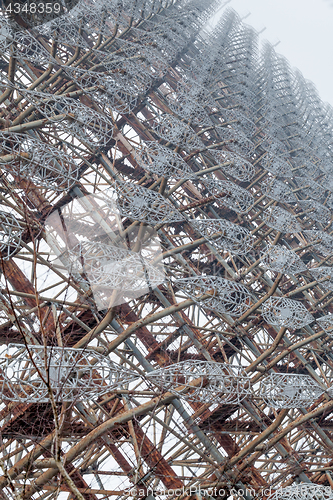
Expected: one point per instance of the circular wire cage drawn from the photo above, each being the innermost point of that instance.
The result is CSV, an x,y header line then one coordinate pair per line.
x,y
323,272
289,390
316,211
321,241
88,125
240,120
237,166
282,260
229,194
114,267
163,161
145,205
224,235
34,160
177,132
189,109
11,231
23,45
326,323
277,190
277,166
310,188
70,374
281,220
225,296
286,312
214,383
236,140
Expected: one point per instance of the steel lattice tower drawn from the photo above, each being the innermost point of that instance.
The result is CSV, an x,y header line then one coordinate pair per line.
x,y
166,255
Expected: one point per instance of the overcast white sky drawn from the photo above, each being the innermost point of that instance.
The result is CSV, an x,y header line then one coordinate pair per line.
x,y
305,31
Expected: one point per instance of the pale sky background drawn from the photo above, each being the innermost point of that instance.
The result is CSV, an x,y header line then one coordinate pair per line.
x,y
305,31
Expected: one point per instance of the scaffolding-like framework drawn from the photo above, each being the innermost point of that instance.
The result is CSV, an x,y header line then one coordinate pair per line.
x,y
166,315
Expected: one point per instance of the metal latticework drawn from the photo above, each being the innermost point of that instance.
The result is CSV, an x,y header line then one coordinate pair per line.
x,y
286,312
284,390
71,374
281,259
166,312
202,381
108,267
216,293
225,235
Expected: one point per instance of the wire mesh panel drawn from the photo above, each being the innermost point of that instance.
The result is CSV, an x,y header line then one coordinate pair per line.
x,y
11,231
277,166
321,241
108,266
323,272
163,161
226,296
85,123
282,260
316,211
237,166
309,187
286,312
229,194
214,382
24,46
281,220
289,390
30,373
189,109
225,235
66,25
326,323
277,190
177,132
238,119
236,141
37,161
142,204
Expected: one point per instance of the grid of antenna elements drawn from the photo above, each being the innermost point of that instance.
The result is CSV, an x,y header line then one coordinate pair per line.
x,y
166,193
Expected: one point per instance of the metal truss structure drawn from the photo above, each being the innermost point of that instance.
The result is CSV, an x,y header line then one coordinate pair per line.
x,y
216,293
281,390
281,220
166,307
29,158
225,235
281,259
202,381
109,268
10,235
145,205
289,313
71,374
